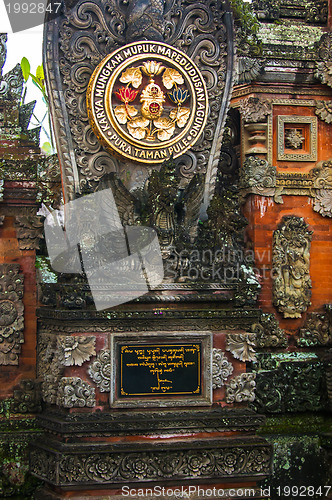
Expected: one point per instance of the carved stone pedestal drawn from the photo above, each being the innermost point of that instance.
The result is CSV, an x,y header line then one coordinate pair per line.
x,y
179,431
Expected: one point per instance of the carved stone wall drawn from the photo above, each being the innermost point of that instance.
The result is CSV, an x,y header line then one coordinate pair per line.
x,y
202,30
291,260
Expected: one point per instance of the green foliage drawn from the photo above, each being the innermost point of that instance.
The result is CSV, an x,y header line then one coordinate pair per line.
x,y
25,66
39,81
247,26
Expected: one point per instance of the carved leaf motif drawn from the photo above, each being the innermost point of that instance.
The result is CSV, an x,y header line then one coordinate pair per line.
x,y
181,116
242,346
166,127
133,76
76,350
122,114
137,127
170,77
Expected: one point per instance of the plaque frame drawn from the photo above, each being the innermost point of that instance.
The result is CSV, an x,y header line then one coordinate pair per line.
x,y
161,337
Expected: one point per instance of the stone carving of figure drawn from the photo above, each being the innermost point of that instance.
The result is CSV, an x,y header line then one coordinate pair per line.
x,y
291,260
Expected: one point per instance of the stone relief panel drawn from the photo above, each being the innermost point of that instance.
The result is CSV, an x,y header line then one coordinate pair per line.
x,y
221,368
100,370
297,138
291,260
73,392
288,382
54,353
29,231
11,313
241,389
215,460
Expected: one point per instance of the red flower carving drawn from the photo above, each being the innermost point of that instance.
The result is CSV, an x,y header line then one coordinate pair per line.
x,y
126,94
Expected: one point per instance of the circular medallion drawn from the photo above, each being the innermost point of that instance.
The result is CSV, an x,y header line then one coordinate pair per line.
x,y
147,101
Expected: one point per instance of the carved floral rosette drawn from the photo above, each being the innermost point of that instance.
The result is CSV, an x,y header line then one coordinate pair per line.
x,y
291,260
11,313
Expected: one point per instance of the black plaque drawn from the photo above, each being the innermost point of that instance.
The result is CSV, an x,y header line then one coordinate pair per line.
x,y
159,369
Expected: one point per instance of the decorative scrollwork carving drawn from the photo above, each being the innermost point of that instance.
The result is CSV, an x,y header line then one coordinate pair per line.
x,y
27,397
73,392
216,461
317,329
100,370
221,368
291,259
258,176
29,231
267,10
11,313
241,389
268,333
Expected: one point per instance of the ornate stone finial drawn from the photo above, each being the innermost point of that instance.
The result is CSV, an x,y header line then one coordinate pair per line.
x,y
221,368
291,259
145,20
241,389
255,109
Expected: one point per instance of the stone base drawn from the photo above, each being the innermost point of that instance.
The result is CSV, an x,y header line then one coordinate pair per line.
x,y
83,453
